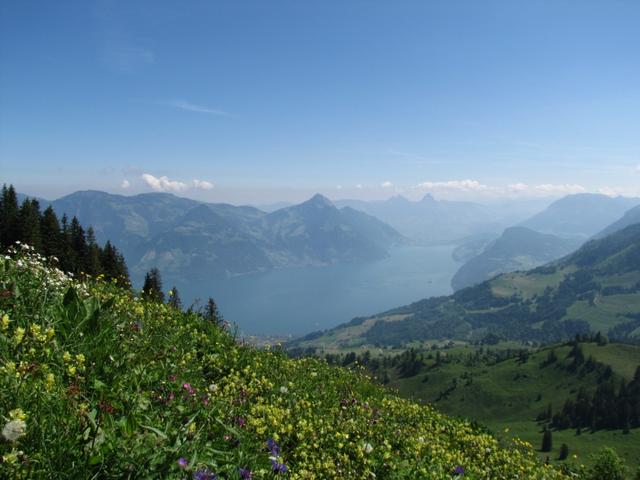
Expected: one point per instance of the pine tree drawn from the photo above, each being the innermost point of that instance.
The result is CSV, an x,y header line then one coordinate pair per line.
x,y
94,266
211,312
51,236
152,288
174,298
78,246
29,224
564,452
9,210
547,442
113,264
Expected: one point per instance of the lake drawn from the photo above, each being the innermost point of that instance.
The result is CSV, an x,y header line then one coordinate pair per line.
x,y
301,300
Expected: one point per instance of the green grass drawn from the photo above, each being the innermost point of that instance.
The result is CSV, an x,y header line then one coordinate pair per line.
x,y
509,395
98,383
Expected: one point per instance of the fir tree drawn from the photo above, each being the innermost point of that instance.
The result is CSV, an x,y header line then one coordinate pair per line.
x,y
547,442
93,263
51,236
564,452
9,216
29,224
174,298
152,288
211,312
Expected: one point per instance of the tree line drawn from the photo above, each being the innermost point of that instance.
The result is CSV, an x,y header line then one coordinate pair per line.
x,y
76,249
606,408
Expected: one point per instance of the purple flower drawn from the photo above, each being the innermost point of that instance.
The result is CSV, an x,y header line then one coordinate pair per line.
x,y
183,462
274,448
459,470
245,473
278,467
205,474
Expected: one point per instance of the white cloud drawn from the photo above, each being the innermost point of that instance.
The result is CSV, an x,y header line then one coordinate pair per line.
x,y
386,184
463,185
561,189
192,107
163,184
125,184
359,186
202,184
469,188
518,187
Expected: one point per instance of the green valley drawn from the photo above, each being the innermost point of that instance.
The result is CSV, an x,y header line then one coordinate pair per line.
x,y
511,388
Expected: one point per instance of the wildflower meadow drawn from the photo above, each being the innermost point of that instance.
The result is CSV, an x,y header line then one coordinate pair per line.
x,y
99,383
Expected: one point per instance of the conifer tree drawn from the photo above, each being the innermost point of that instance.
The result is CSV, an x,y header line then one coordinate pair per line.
x,y
51,236
78,246
93,263
174,298
564,452
211,312
9,210
29,223
547,442
152,288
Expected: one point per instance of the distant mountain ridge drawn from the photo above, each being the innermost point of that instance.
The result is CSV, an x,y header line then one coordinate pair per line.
x,y
630,217
597,288
191,240
440,221
518,248
580,215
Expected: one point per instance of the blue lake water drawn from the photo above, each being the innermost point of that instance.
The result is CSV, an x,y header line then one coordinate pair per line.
x,y
301,300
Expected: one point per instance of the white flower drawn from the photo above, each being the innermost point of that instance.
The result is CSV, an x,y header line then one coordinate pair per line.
x,y
14,429
213,388
284,390
368,448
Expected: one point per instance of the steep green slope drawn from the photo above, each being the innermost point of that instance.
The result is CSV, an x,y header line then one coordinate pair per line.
x,y
630,217
595,289
518,248
511,394
97,383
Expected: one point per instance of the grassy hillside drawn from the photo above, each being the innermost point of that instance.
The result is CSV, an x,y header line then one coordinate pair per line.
x,y
97,383
595,289
507,387
510,394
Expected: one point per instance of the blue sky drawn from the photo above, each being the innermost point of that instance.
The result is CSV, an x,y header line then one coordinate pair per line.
x,y
258,101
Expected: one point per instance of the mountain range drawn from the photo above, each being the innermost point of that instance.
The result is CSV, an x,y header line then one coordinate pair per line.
x,y
433,221
597,288
549,235
190,241
518,248
581,215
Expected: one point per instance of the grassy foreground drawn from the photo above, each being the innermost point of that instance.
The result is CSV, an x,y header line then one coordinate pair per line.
x,y
97,383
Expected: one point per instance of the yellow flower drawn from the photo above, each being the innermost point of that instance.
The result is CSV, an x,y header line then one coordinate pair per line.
x,y
17,414
18,335
49,381
10,458
5,322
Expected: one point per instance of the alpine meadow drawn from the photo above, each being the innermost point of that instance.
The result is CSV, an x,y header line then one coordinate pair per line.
x,y
338,240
